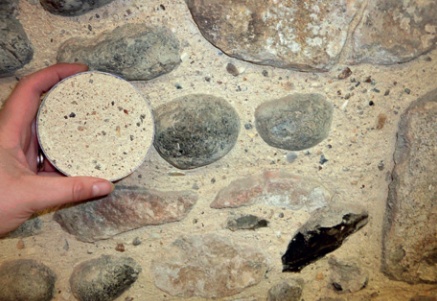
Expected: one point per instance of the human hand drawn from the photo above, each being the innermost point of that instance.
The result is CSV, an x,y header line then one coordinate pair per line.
x,y
23,189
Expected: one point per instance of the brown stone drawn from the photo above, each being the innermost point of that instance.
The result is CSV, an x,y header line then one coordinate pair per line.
x,y
393,31
275,188
124,210
208,266
302,35
410,245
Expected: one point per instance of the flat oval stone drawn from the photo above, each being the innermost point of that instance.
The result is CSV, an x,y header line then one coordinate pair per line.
x,y
195,130
95,124
294,122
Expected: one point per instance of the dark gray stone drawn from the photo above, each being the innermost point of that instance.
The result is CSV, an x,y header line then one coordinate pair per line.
x,y
26,280
324,232
15,48
29,228
123,210
132,51
104,278
393,31
409,244
72,7
347,277
286,291
245,222
294,122
303,35
195,130
208,266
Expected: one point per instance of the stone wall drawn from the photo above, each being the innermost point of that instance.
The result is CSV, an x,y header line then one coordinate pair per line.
x,y
293,157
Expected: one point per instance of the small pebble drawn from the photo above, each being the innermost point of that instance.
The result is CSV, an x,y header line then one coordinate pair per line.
x,y
20,244
120,247
387,92
323,159
136,241
291,157
408,91
381,165
345,73
232,69
248,126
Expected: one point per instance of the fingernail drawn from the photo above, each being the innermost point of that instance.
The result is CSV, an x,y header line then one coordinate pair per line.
x,y
102,188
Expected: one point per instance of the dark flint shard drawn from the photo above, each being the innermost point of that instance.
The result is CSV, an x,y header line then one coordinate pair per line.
x,y
311,244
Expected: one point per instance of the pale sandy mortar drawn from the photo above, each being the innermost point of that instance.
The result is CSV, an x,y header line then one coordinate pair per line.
x,y
95,124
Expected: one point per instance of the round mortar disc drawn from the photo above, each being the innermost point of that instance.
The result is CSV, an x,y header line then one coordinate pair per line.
x,y
95,124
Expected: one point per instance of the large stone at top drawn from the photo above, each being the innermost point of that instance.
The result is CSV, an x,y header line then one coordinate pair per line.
x,y
195,130
302,35
132,51
294,122
15,47
410,231
72,7
393,31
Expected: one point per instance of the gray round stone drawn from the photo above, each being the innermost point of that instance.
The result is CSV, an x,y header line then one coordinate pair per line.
x,y
72,7
104,278
294,122
26,279
195,130
15,47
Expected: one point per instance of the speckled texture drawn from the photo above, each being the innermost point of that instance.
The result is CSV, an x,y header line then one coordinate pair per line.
x,y
95,124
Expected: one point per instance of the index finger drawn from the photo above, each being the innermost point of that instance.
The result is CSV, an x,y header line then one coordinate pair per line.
x,y
22,105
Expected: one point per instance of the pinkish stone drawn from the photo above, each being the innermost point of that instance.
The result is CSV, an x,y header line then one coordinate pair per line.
x,y
208,266
124,210
275,188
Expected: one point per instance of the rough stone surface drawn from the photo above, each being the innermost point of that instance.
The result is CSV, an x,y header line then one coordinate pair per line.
x,y
15,47
245,222
29,228
26,279
132,51
286,291
274,188
294,122
72,7
347,277
303,35
104,278
393,31
324,232
410,245
208,266
123,210
195,130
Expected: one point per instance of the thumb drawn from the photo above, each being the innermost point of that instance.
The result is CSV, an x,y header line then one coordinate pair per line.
x,y
54,191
